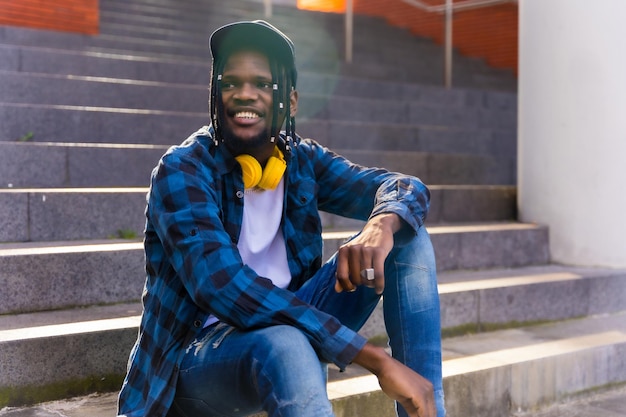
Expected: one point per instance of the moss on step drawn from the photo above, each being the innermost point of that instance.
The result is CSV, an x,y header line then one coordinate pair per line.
x,y
34,394
473,328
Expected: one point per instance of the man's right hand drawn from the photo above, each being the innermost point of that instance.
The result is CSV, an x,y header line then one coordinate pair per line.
x,y
412,391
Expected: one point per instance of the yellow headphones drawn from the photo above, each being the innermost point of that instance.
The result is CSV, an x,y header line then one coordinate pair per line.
x,y
255,176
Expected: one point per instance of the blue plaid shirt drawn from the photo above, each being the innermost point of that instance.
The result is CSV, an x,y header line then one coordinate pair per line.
x,y
194,214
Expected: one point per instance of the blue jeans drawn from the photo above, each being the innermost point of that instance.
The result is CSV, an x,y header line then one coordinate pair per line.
x,y
228,372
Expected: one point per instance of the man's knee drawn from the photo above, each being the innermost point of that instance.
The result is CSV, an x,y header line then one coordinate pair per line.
x,y
417,251
289,374
285,347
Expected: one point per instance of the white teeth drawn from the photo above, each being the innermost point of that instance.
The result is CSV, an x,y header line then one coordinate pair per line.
x,y
246,115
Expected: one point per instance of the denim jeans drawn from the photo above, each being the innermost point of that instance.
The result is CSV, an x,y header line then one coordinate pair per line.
x,y
227,372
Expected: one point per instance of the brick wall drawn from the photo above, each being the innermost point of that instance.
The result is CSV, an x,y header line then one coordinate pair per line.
x,y
489,32
79,16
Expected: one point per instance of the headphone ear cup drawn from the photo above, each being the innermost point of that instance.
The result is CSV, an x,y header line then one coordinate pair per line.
x,y
251,170
273,172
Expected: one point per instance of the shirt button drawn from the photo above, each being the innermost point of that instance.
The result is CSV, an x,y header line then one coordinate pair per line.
x,y
197,323
239,194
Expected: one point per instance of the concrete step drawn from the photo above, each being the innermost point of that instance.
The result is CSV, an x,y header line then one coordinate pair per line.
x,y
317,52
57,214
308,30
308,34
513,372
440,168
38,276
36,59
69,351
475,301
493,373
371,35
608,402
80,124
129,165
87,91
427,138
319,37
77,124
77,164
529,368
39,60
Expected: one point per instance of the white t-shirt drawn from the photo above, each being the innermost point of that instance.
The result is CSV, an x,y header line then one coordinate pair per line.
x,y
261,242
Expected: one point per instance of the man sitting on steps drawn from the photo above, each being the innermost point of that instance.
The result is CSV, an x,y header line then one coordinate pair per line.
x,y
240,314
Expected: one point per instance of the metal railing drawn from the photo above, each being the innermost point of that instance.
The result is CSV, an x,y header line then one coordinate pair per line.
x,y
448,9
268,8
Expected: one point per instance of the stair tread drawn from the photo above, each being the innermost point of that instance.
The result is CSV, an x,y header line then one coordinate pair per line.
x,y
505,347
461,280
449,281
73,246
338,234
110,61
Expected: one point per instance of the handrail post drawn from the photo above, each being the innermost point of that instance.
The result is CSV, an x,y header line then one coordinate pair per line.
x,y
268,8
349,30
448,45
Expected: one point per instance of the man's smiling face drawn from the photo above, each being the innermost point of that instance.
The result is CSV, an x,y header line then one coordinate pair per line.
x,y
247,97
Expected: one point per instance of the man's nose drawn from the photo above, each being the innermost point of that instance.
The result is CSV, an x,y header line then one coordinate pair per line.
x,y
247,91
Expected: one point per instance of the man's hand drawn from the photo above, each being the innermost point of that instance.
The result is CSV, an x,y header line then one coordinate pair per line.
x,y
412,391
368,250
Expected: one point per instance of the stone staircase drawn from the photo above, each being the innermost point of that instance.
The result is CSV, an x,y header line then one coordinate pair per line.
x,y
84,119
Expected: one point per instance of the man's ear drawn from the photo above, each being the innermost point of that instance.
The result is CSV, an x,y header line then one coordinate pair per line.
x,y
293,102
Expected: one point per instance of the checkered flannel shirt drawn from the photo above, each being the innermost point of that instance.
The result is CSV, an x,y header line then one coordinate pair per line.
x,y
194,214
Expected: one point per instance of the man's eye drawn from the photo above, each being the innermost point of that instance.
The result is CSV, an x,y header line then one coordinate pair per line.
x,y
227,85
265,85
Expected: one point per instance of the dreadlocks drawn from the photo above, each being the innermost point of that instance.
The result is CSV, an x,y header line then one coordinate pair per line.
x,y
283,83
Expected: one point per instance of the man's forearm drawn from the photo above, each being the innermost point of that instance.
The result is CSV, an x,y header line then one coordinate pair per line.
x,y
399,382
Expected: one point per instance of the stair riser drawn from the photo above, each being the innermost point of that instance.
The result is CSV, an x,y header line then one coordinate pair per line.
x,y
477,250
398,112
49,90
533,303
313,58
412,138
312,55
47,365
89,166
520,386
71,216
54,281
38,165
528,386
482,310
58,124
436,168
58,61
69,125
56,216
327,41
306,41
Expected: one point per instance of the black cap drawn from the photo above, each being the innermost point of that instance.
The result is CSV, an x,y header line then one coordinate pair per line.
x,y
256,34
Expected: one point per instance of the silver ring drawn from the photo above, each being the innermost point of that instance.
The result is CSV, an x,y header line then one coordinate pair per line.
x,y
368,274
